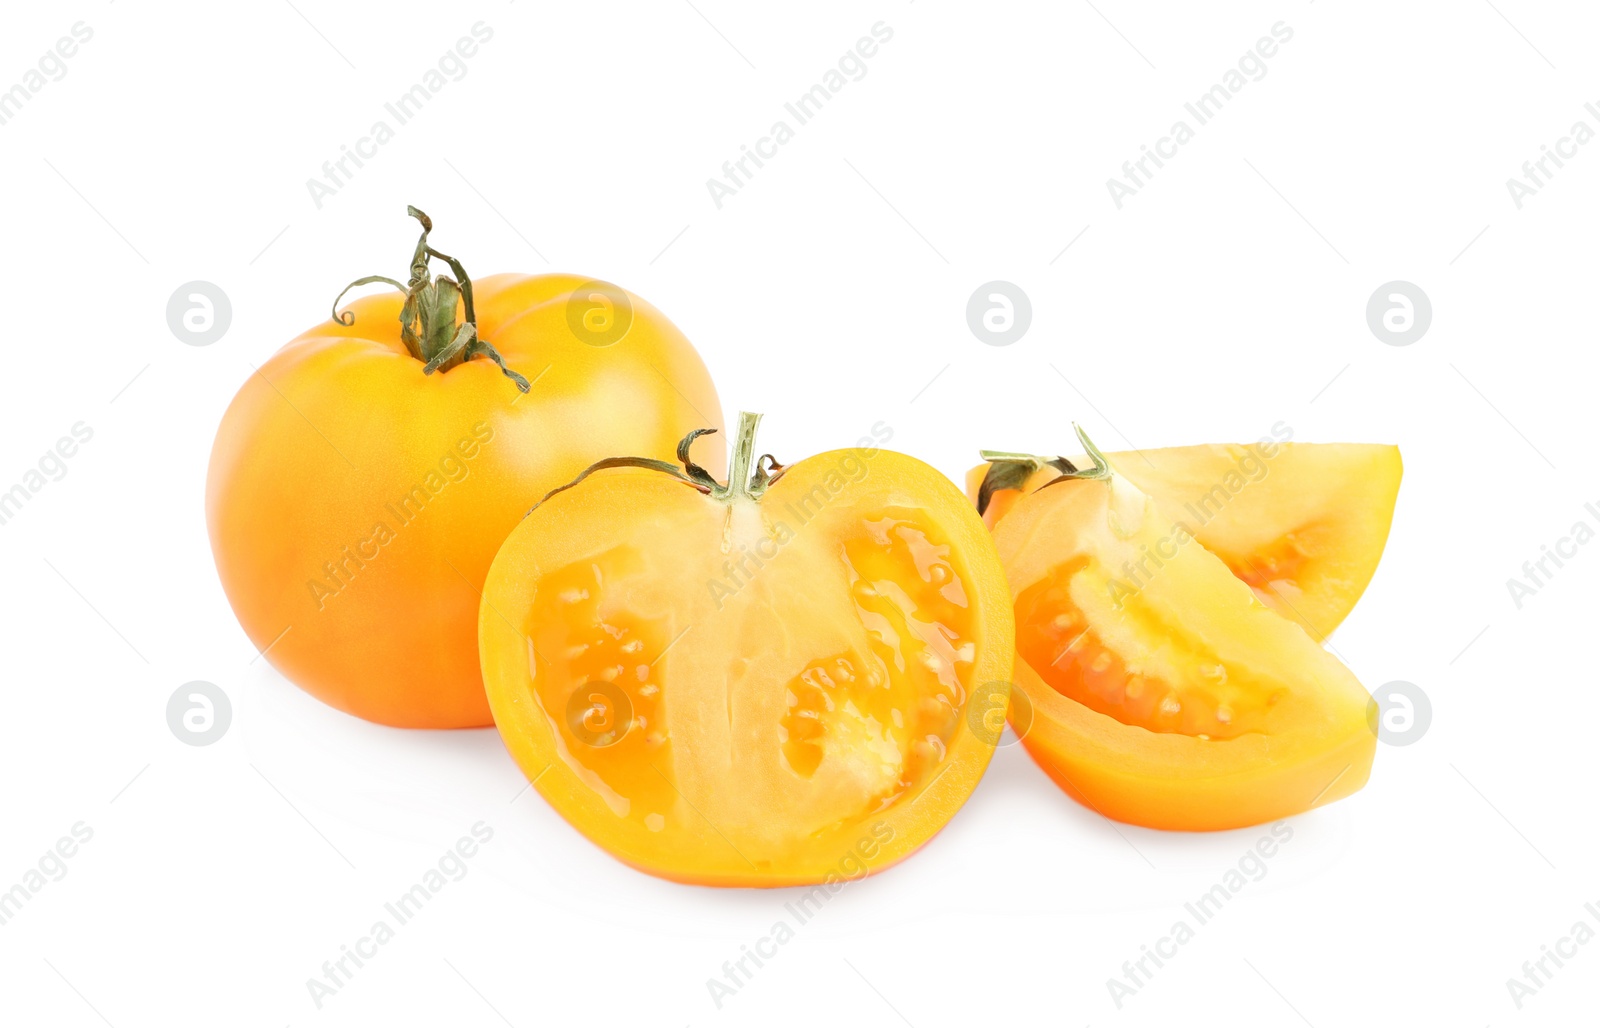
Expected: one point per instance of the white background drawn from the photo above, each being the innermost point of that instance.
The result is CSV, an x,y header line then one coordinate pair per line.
x,y
1227,295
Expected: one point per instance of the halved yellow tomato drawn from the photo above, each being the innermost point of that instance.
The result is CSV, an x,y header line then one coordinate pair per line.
x,y
777,681
1163,692
1304,524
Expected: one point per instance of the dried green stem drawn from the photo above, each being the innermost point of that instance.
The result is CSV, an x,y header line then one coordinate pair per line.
x,y
1008,470
748,475
428,324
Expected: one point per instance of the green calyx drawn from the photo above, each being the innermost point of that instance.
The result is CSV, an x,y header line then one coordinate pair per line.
x,y
749,476
1012,470
428,323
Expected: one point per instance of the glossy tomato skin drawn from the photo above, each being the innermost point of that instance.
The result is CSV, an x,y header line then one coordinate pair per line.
x,y
802,680
354,504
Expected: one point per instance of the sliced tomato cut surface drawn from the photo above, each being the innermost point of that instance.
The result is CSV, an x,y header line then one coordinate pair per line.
x,y
1163,692
1304,524
763,686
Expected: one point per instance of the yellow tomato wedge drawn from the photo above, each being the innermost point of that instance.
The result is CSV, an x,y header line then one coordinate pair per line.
x,y
1163,692
1304,524
769,682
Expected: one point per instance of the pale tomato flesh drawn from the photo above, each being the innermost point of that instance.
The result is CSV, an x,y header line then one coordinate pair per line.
x,y
747,693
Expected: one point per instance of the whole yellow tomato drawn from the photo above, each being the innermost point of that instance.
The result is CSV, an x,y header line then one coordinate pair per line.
x,y
363,479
